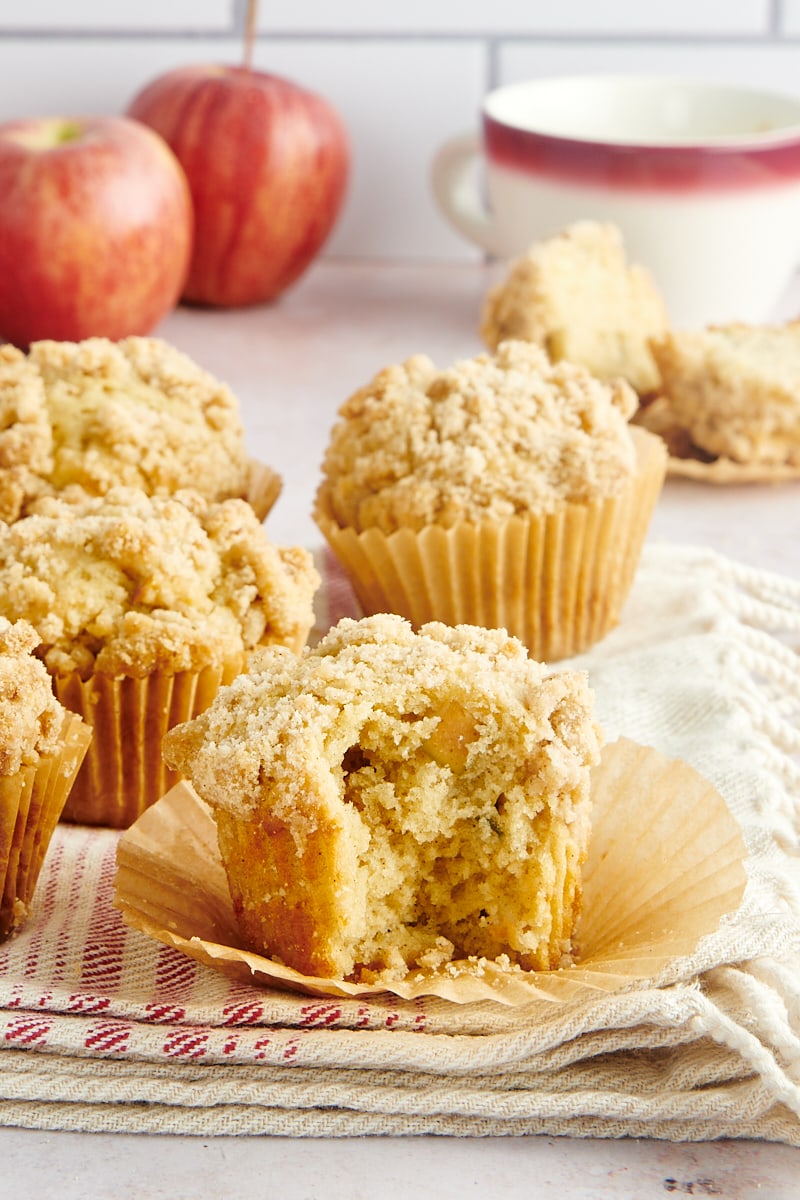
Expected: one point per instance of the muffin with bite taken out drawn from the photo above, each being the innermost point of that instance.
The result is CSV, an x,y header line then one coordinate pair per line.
x,y
395,801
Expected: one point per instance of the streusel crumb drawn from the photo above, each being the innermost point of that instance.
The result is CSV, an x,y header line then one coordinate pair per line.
x,y
30,715
490,437
138,413
26,439
128,584
394,800
576,296
735,390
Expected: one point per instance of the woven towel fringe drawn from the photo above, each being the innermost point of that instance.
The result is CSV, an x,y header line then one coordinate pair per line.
x,y
763,1051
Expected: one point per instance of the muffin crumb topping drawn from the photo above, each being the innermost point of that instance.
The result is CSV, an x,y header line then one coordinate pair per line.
x,y
30,715
489,437
129,584
83,417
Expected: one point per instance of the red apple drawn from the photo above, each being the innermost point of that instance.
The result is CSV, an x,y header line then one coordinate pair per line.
x,y
267,164
95,229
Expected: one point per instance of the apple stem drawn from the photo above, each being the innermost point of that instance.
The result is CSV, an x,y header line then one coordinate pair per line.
x,y
250,32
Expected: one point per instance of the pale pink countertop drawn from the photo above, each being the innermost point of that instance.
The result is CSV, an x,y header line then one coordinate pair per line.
x,y
291,365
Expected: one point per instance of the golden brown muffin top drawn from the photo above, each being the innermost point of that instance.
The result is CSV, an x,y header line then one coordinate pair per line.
x,y
489,437
26,439
130,584
30,715
421,702
576,296
137,413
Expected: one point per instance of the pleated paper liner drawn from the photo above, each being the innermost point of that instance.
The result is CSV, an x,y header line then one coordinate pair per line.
x,y
263,488
31,803
665,865
690,462
557,582
124,772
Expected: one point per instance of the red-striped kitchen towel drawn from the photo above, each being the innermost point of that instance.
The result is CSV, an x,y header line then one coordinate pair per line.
x,y
102,1028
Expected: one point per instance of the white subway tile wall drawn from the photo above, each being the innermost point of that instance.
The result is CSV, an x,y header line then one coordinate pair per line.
x,y
504,18
404,77
91,16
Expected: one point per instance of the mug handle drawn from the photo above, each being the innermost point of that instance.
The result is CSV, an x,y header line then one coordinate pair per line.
x,y
454,182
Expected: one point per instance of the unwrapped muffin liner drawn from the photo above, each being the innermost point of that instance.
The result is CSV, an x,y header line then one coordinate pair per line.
x,y
263,488
726,471
665,867
31,803
556,581
124,772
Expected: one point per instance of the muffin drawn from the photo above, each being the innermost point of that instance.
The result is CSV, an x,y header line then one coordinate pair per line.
x,y
732,392
576,296
142,607
26,438
41,748
506,491
395,801
136,413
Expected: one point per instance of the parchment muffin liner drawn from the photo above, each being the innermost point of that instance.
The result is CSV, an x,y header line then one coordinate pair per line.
x,y
123,772
263,488
665,867
31,803
557,582
726,471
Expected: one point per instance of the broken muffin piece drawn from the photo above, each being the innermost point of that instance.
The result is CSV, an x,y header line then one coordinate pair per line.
x,y
733,391
576,296
396,800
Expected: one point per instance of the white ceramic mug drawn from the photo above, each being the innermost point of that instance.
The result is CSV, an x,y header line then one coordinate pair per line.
x,y
702,179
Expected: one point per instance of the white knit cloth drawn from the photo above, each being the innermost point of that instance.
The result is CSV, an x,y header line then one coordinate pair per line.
x,y
103,1029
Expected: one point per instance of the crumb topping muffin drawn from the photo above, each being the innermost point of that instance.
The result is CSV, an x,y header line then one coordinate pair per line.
x,y
577,297
42,747
130,584
735,390
395,799
30,716
137,413
487,438
26,439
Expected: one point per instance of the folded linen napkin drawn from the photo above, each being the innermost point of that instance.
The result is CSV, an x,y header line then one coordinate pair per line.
x,y
104,1029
